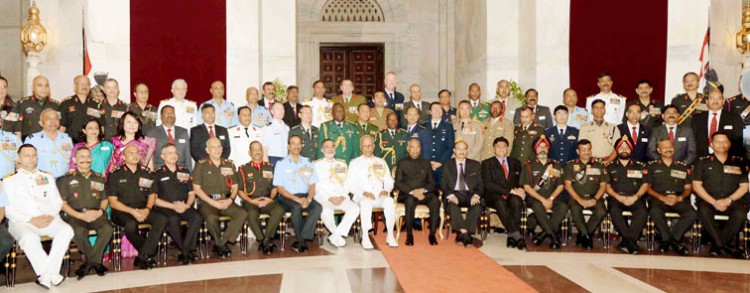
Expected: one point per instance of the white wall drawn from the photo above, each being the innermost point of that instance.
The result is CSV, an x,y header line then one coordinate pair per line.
x,y
243,49
278,40
687,27
726,18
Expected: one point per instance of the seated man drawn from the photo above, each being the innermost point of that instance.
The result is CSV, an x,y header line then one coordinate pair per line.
x,y
175,200
462,182
132,194
503,192
295,180
585,182
726,185
257,192
669,186
416,185
625,188
33,209
370,181
332,195
84,203
541,179
215,183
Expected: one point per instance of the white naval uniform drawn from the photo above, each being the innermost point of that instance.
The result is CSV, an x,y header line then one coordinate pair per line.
x,y
321,110
331,181
33,194
186,112
240,142
615,107
371,175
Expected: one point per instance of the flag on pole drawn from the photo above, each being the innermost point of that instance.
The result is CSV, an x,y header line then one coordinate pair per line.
x,y
86,59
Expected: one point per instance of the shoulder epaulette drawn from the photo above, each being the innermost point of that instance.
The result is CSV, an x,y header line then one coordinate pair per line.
x,y
639,163
67,99
422,127
10,174
296,127
146,168
704,158
340,160
202,161
50,99
307,100
573,161
681,163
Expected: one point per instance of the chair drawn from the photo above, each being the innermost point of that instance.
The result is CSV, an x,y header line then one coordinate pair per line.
x,y
116,246
743,237
286,221
203,236
11,263
651,232
564,226
421,212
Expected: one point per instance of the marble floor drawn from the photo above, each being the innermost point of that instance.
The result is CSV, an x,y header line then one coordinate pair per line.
x,y
351,269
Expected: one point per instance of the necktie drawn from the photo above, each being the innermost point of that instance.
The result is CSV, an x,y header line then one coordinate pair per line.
x,y
419,107
462,125
211,131
391,131
169,135
391,95
635,135
712,129
434,125
505,168
410,128
671,133
294,110
308,133
246,134
461,179
562,132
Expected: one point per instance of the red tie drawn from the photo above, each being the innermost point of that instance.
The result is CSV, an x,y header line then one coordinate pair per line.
x,y
505,168
712,129
169,135
211,132
635,135
671,134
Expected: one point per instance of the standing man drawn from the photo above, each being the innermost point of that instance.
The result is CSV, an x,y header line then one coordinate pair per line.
x,y
33,209
626,188
651,108
349,100
343,133
274,135
132,195
332,195
84,202
413,128
54,146
562,137
691,102
321,107
449,113
292,106
586,181
437,140
226,113
577,115
705,124
295,180
614,104
390,144
175,200
10,143
670,187
495,127
681,136
364,127
112,108
480,111
525,133
261,115
166,133
201,133
503,192
8,108
379,113
469,131
370,181
308,133
215,183
394,100
269,95
185,110
30,108
415,100
502,95
415,182
462,182
636,132
78,108
540,114
600,133
258,193
143,109
242,135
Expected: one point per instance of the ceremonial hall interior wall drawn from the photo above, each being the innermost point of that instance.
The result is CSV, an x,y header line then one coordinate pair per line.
x,y
436,43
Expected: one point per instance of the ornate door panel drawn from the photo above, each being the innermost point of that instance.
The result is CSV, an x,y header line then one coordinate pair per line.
x,y
363,64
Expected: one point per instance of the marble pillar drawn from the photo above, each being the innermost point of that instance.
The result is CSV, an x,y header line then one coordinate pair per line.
x,y
12,16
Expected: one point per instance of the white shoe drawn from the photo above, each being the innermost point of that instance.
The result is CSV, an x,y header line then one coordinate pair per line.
x,y
391,241
56,279
342,241
366,244
334,240
44,282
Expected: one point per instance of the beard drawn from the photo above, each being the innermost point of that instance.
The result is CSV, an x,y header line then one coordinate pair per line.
x,y
624,156
541,155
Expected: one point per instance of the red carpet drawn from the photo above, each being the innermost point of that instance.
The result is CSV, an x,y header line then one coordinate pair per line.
x,y
447,267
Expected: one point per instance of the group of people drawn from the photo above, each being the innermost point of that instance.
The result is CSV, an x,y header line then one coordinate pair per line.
x,y
92,161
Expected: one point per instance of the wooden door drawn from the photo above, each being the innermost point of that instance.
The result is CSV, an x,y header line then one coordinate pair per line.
x,y
363,64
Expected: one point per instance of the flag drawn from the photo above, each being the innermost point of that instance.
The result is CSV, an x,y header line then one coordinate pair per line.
x,y
86,59
704,54
708,77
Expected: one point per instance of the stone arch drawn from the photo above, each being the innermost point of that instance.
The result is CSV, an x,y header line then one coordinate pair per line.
x,y
352,11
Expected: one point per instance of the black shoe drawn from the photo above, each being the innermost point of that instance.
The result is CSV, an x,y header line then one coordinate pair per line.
x,y
521,244
664,246
633,247
303,247
680,248
409,240
83,270
734,253
151,262
296,246
101,270
511,243
218,251
588,242
624,245
554,242
192,256
433,240
226,250
183,259
716,250
142,262
539,238
579,240
271,247
499,230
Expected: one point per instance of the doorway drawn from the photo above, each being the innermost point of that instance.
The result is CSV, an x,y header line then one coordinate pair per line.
x,y
361,63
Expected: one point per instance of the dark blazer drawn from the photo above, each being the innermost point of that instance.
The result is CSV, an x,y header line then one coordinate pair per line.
x,y
290,119
493,177
181,140
199,136
563,148
412,174
472,176
641,146
684,143
424,114
542,116
728,122
398,98
437,144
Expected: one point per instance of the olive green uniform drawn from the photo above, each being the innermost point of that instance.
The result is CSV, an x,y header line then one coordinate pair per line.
x,y
586,179
217,182
668,180
534,174
86,193
309,140
523,142
258,183
391,147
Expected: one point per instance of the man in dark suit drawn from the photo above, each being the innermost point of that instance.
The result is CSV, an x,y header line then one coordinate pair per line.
x,y
715,119
418,187
292,107
437,140
462,183
681,136
502,190
201,133
394,99
168,132
562,138
412,126
637,132
415,100
542,115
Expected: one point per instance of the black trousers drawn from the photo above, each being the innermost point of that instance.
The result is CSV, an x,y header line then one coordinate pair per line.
x,y
410,206
472,215
304,228
587,228
194,220
550,224
93,254
6,241
637,221
737,213
509,211
657,208
145,246
211,216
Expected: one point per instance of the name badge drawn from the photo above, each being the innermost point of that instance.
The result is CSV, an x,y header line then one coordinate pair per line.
x,y
635,174
593,171
9,146
645,139
678,174
681,139
181,140
145,183
227,171
267,174
189,109
94,112
728,127
73,182
117,114
164,178
97,186
542,117
182,176
221,137
732,170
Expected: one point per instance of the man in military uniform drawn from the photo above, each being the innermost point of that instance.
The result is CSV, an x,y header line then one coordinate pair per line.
x,y
469,130
226,114
614,104
437,140
502,95
691,102
295,180
739,104
562,137
142,108
308,133
651,112
186,111
348,100
8,108
541,178
416,185
9,143
540,114
669,187
215,183
261,115
525,133
363,121
496,126
413,128
503,191
462,182
415,100
586,181
577,116
113,108
84,202
343,133
332,195
723,193
626,188
175,201
257,192
132,195
54,146
480,111
600,133
78,109
30,108
321,107
242,135
390,144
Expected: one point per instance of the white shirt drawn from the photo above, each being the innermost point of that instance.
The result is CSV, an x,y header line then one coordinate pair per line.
x,y
614,105
239,142
368,175
31,194
274,137
186,112
321,110
331,179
